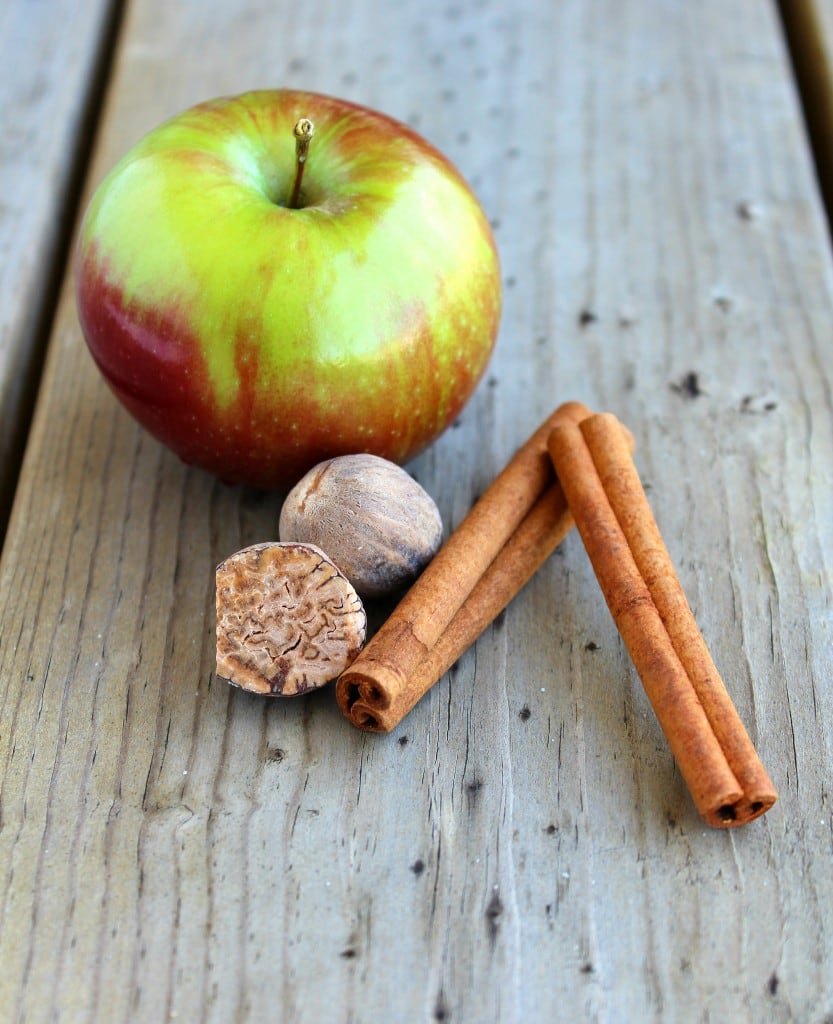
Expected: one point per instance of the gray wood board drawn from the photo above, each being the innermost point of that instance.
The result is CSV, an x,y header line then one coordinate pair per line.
x,y
522,847
49,59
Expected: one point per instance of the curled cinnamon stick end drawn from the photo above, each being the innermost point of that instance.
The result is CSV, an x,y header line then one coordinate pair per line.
x,y
509,532
715,756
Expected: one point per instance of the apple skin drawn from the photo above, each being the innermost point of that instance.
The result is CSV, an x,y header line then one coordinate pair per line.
x,y
256,340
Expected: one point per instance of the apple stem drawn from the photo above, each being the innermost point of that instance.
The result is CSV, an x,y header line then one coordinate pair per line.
x,y
303,132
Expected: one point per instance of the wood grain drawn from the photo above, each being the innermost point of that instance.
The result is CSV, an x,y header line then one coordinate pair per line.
x,y
522,847
49,67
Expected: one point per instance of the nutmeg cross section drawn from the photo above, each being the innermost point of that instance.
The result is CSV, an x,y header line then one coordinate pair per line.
x,y
288,621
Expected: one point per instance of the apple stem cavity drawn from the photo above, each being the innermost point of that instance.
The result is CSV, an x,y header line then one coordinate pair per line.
x,y
303,132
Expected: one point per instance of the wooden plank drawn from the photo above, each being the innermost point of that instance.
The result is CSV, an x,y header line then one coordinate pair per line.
x,y
521,848
49,62
809,25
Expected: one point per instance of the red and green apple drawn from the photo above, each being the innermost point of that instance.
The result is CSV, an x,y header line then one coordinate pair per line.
x,y
259,306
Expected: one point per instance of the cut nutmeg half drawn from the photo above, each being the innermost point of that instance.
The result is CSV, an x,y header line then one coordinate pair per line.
x,y
287,620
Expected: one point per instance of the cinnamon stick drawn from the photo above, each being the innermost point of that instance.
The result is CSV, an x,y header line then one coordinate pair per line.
x,y
517,522
535,539
716,758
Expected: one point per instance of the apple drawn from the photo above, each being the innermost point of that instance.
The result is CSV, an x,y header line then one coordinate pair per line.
x,y
270,280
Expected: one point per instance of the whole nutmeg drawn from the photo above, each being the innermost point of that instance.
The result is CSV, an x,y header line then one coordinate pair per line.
x,y
372,519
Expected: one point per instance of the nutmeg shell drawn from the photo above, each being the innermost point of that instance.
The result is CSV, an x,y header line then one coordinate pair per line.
x,y
378,525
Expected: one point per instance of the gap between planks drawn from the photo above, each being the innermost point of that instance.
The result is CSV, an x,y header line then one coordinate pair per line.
x,y
37,329
808,31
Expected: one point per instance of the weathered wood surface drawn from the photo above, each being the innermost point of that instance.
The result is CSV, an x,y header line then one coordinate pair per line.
x,y
49,61
521,848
